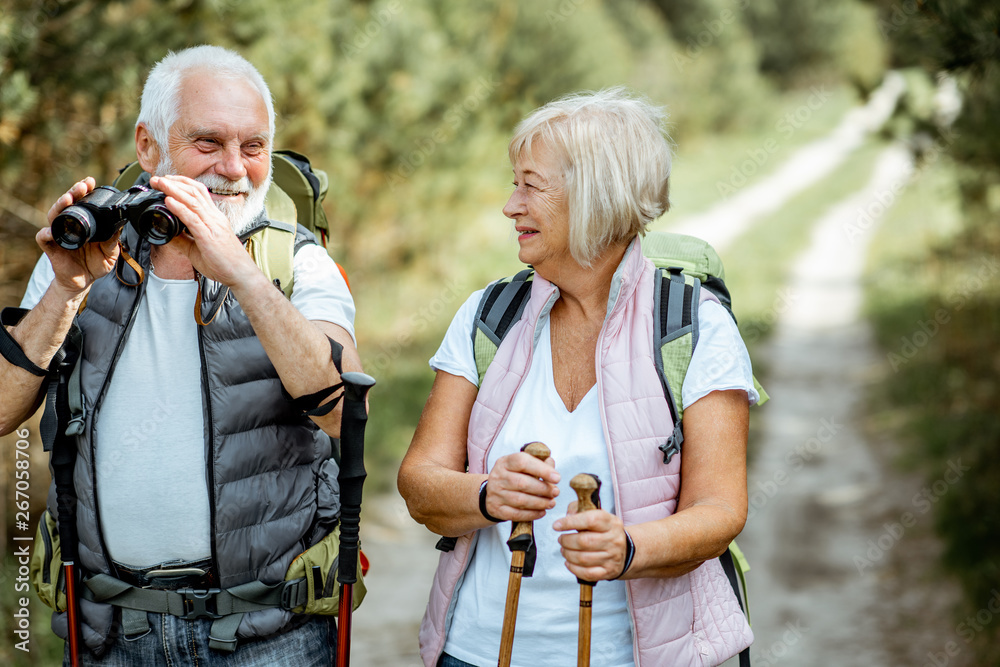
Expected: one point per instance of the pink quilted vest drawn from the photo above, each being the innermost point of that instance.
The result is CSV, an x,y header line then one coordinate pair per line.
x,y
692,620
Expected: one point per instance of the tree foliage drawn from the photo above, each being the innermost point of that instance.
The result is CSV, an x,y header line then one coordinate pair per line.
x,y
395,98
954,388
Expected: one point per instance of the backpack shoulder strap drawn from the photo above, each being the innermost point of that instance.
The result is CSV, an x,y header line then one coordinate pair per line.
x,y
675,319
501,306
128,175
273,250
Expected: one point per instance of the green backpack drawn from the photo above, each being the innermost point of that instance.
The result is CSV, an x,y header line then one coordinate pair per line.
x,y
685,266
295,197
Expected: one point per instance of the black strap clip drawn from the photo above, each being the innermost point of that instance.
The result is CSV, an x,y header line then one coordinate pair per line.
x,y
525,542
195,603
446,544
294,593
673,444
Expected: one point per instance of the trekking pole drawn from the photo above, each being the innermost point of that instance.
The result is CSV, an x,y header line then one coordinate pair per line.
x,y
352,478
58,430
587,489
522,563
63,462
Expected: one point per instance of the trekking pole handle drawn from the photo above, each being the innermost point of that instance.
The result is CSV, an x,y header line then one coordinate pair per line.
x,y
538,450
352,471
588,490
521,528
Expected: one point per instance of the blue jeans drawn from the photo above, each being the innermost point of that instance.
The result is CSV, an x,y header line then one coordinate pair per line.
x,y
451,661
172,642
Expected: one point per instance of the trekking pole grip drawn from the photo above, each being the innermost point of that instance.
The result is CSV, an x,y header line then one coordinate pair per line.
x,y
588,490
587,487
352,471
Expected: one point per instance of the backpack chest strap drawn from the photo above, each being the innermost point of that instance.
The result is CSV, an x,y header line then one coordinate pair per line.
x,y
225,607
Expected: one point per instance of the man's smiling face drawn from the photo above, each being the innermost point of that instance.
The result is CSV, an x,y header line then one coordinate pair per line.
x,y
221,137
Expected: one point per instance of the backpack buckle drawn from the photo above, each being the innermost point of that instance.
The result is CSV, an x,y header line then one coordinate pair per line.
x,y
673,444
195,603
295,593
75,426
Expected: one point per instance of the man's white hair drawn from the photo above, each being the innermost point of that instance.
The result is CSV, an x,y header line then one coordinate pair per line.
x,y
161,94
616,159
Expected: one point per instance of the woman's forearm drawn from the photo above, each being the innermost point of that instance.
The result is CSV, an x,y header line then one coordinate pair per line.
x,y
432,478
446,501
680,543
712,506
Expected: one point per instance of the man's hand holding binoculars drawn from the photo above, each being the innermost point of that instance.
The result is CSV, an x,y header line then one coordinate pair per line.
x,y
76,270
210,244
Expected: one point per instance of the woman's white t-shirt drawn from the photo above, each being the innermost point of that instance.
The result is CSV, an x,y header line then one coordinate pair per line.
x,y
548,611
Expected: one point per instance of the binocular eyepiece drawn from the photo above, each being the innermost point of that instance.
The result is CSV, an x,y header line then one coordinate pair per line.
x,y
98,216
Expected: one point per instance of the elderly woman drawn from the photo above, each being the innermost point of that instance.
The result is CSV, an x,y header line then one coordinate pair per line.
x,y
576,373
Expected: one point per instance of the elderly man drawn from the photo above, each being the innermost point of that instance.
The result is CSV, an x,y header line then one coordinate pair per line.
x,y
197,467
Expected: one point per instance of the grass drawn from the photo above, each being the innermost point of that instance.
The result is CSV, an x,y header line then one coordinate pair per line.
x,y
44,648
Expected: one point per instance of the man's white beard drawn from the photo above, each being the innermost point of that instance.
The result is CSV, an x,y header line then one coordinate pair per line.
x,y
241,215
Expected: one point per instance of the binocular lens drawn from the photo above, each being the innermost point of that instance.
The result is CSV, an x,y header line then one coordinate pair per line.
x,y
73,228
158,225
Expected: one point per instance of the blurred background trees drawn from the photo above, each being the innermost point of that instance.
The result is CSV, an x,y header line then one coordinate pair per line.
x,y
371,89
951,395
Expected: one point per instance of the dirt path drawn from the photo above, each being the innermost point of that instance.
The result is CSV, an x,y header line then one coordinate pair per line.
x,y
836,534
403,559
815,483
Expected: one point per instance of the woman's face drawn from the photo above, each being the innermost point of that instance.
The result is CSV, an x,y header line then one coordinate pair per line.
x,y
540,210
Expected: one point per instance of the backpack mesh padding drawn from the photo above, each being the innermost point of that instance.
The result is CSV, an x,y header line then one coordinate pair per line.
x,y
484,350
676,355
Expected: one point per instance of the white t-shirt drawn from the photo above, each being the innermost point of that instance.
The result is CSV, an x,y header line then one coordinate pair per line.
x,y
548,612
152,486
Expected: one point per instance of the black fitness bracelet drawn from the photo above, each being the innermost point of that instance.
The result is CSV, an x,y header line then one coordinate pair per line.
x,y
629,554
482,503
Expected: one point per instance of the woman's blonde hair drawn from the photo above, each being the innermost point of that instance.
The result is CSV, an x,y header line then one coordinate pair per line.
x,y
616,159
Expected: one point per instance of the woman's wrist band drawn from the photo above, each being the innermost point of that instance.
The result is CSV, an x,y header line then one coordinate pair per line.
x,y
629,554
482,503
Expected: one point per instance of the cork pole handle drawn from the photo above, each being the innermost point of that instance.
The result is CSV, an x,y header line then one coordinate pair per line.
x,y
588,497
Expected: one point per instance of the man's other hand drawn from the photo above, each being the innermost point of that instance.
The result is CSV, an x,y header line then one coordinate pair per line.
x,y
210,243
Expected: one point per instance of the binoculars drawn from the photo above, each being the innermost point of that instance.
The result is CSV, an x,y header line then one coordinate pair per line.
x,y
98,216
